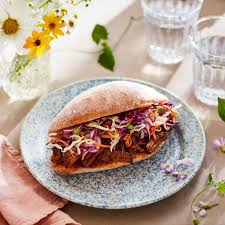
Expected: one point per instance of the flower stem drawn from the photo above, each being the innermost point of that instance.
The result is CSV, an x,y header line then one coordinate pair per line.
x,y
77,3
127,28
44,4
196,197
201,192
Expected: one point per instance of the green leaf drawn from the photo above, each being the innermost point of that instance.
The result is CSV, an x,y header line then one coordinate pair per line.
x,y
220,187
210,179
221,108
196,222
99,33
106,58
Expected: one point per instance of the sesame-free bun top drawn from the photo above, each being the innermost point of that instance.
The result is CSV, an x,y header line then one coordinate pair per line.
x,y
104,100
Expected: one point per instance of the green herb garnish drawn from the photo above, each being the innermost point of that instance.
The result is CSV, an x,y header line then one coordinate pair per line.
x,y
161,111
130,127
77,130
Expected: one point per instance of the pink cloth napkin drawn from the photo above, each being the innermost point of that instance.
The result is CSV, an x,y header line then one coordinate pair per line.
x,y
23,201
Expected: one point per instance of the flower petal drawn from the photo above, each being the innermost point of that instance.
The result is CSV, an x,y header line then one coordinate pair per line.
x,y
202,213
163,165
32,52
216,144
183,176
201,203
195,208
185,161
222,140
170,168
39,52
46,18
42,25
59,32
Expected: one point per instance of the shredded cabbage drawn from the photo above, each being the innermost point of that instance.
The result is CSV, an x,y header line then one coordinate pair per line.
x,y
95,125
114,142
55,146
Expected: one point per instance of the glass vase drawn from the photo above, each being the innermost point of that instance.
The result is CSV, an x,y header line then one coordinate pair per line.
x,y
25,78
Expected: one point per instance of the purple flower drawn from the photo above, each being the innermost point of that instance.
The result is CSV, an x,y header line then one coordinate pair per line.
x,y
179,176
172,167
196,208
183,176
165,163
202,204
202,208
185,161
202,212
219,144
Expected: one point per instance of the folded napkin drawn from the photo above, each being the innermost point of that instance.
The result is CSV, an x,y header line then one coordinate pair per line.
x,y
23,201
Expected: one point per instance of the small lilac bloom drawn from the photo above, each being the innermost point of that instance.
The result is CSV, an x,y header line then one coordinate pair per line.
x,y
175,173
196,208
202,213
219,144
170,168
185,161
201,203
163,165
183,176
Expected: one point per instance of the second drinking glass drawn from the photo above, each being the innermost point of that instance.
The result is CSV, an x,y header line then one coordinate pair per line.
x,y
167,23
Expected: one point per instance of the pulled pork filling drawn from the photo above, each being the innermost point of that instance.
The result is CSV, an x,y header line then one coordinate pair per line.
x,y
116,138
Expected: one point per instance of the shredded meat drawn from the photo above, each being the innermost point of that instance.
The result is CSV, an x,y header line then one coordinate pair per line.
x,y
90,158
70,158
137,148
119,156
154,145
56,155
105,156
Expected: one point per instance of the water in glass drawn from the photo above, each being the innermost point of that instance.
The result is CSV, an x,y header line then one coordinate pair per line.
x,y
209,70
27,79
166,24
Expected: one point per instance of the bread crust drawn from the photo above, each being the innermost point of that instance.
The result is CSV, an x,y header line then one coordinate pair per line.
x,y
104,100
62,170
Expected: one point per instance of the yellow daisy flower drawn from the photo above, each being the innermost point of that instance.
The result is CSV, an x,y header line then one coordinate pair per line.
x,y
37,43
53,24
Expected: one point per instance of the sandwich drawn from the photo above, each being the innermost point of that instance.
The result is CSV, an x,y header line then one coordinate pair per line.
x,y
108,126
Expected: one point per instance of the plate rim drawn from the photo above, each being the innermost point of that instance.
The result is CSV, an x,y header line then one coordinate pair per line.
x,y
121,206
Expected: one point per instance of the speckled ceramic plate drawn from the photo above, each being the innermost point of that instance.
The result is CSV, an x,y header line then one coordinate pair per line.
x,y
130,186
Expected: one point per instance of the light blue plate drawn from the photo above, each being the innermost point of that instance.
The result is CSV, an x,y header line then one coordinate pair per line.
x,y
131,186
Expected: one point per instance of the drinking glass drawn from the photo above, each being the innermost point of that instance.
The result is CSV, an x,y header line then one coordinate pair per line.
x,y
167,23
207,38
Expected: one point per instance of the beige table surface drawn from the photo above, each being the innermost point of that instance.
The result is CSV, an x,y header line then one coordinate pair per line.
x,y
132,61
